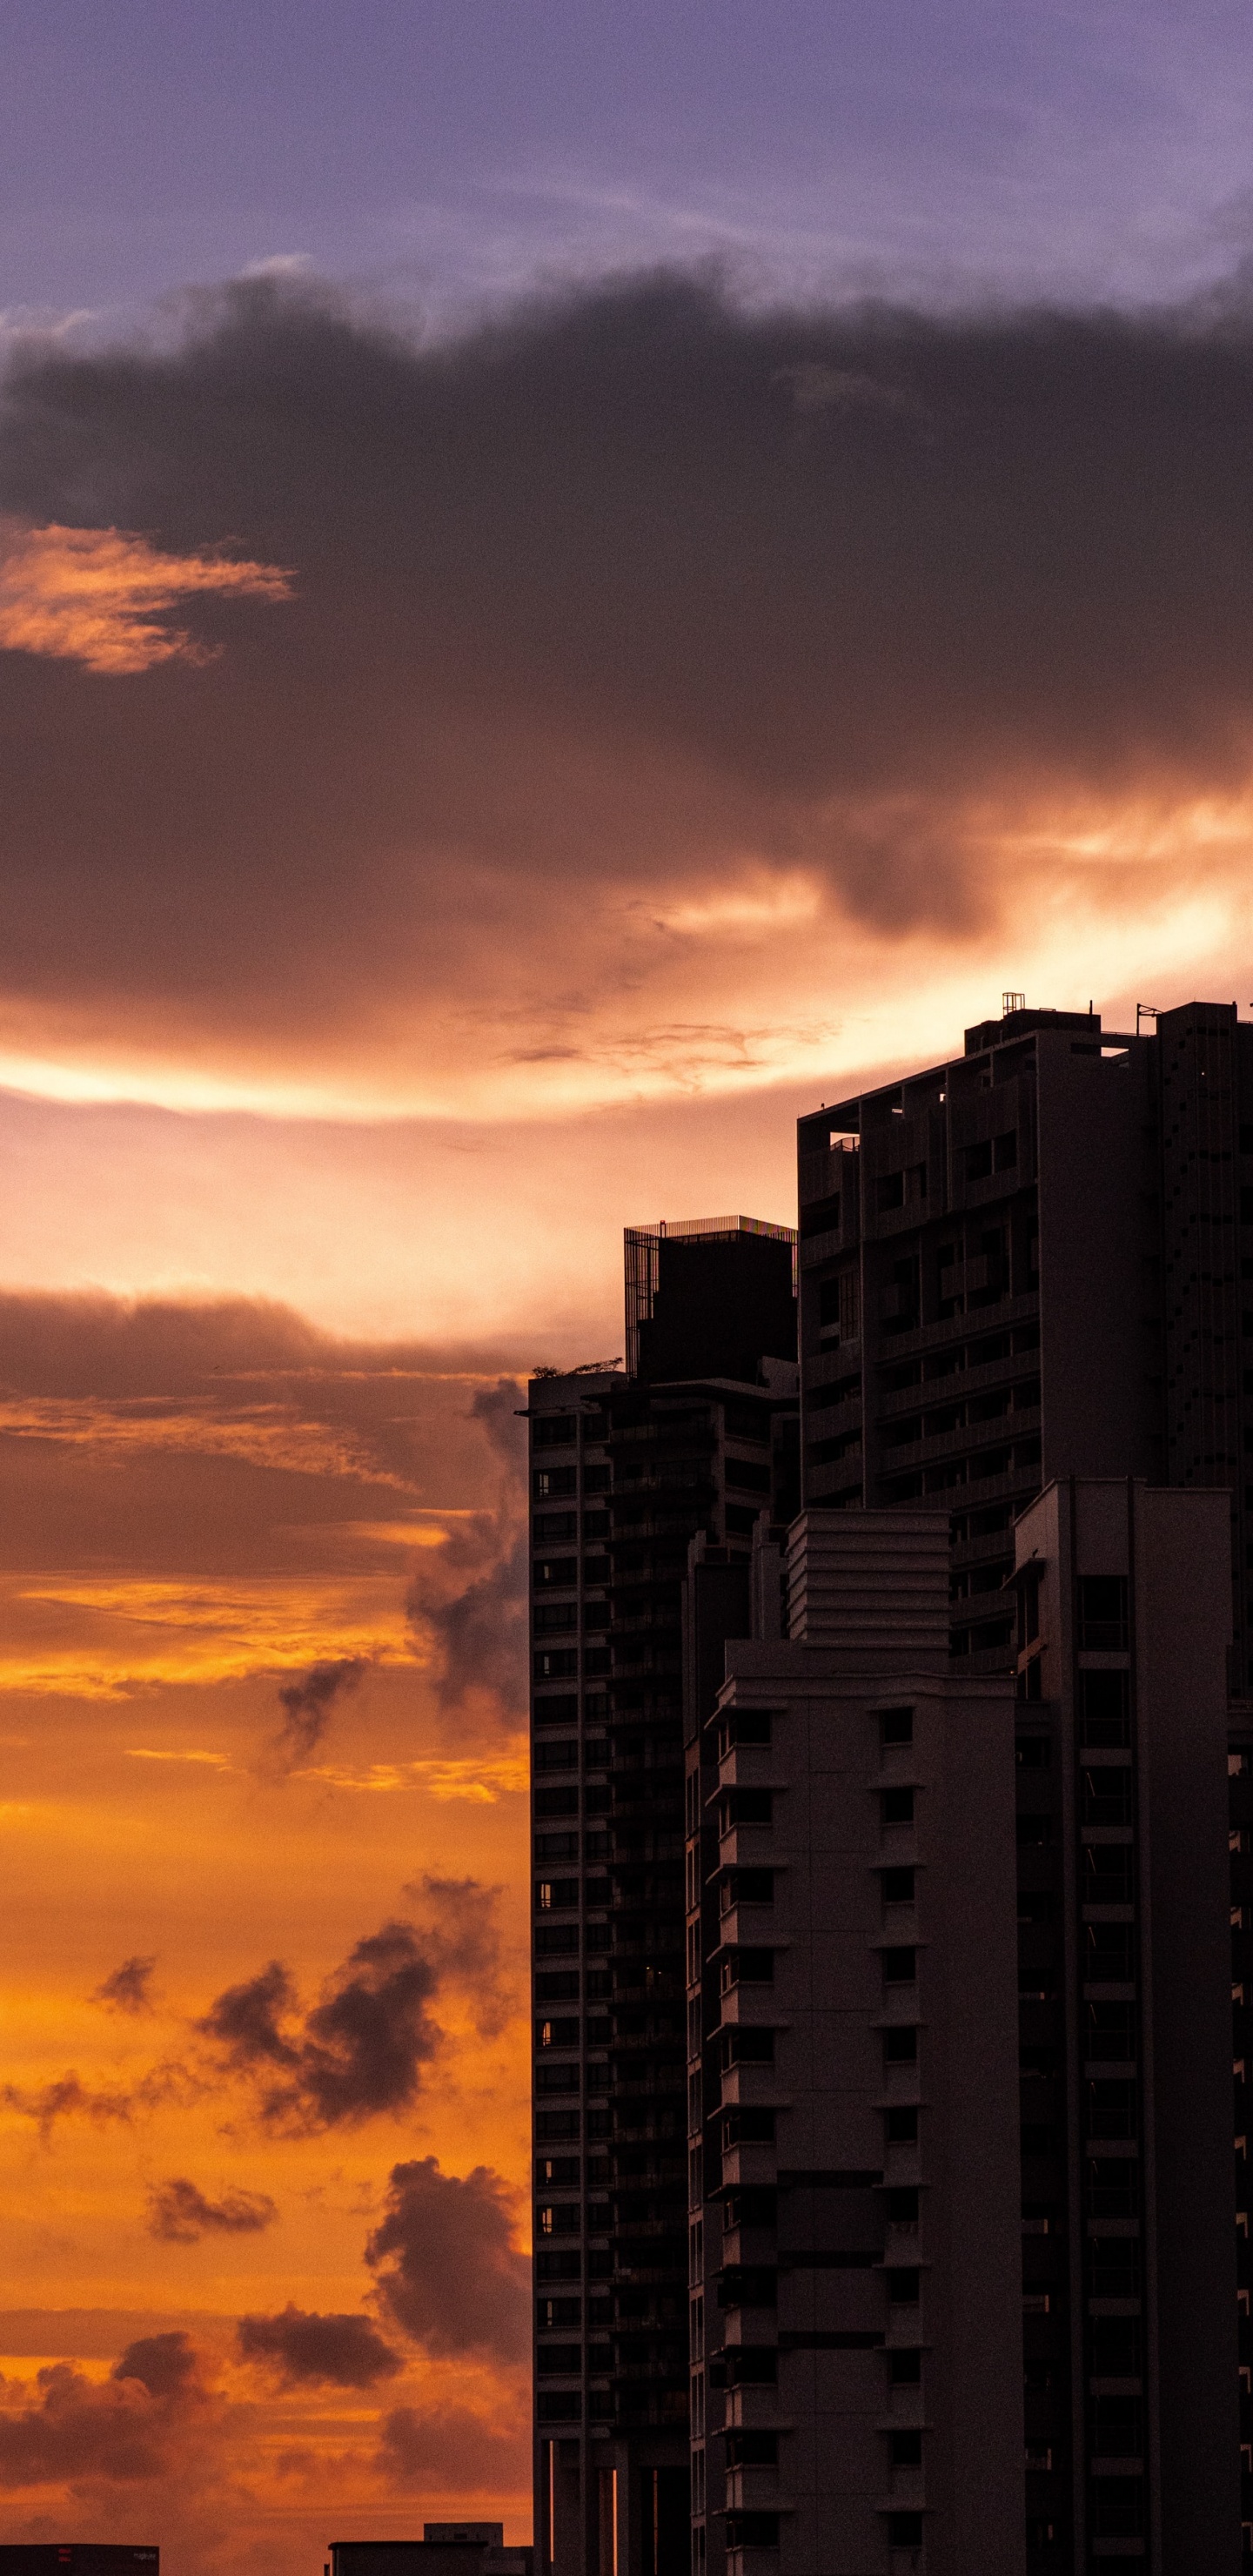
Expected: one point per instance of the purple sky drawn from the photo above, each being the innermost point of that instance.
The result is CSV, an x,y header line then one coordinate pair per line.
x,y
451,149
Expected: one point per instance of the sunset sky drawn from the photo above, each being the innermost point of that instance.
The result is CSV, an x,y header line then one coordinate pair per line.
x,y
573,582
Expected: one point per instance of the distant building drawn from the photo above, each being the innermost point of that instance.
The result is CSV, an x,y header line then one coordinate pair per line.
x,y
445,2549
77,2558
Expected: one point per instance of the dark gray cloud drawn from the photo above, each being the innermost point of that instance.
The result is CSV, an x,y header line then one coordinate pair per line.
x,y
603,590
448,2449
340,2351
448,2270
459,1919
124,2432
67,2097
358,2052
307,1706
480,1627
127,1990
180,2213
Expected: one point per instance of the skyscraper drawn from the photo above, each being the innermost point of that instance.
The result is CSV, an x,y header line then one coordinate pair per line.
x,y
696,1438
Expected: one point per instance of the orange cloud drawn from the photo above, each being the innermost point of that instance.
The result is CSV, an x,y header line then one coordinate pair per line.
x,y
93,595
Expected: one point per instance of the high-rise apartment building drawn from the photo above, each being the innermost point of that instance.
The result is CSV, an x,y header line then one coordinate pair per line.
x,y
908,2351
1034,1261
855,2286
695,1440
1128,2176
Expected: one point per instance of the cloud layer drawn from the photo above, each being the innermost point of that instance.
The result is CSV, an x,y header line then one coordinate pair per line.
x,y
634,636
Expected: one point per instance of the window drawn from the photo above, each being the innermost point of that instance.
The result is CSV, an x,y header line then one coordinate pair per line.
x,y
820,1216
548,1482
747,1968
905,2530
905,2450
898,1887
557,2312
900,2047
562,1710
747,2125
904,2285
743,1726
1105,1709
1107,1796
979,1160
745,1807
900,1967
1103,1611
555,1573
904,2369
562,2033
897,1806
745,2046
901,2125
562,1754
556,2170
896,1725
553,1430
748,2449
554,1893
748,1887
552,1527
752,2530
903,2206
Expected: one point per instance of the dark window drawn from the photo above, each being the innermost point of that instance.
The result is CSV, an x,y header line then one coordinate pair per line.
x,y
558,2267
821,1216
556,1664
903,2205
979,1160
1111,2107
742,2045
561,1754
898,1887
900,1967
904,2285
1107,1796
555,1618
553,1430
1115,2347
897,1806
1105,1708
745,1807
1005,1152
556,2124
743,1726
558,1985
548,1481
558,1711
1033,1833
900,2047
905,2530
1108,1877
747,1968
563,2033
1109,1954
752,2365
901,2125
756,2206
746,2125
555,1573
550,1527
748,2285
1118,2503
751,2530
557,2312
1115,2267
904,2369
1034,1753
1117,2428
556,1802
1103,1613
890,1192
751,1886
556,1892
897,1725
905,2450
751,2450
557,2169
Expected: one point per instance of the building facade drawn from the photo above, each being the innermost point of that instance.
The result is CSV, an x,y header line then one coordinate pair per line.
x,y
694,1440
1129,2194
855,2287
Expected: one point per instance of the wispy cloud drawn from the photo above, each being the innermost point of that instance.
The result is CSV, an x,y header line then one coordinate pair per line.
x,y
94,595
